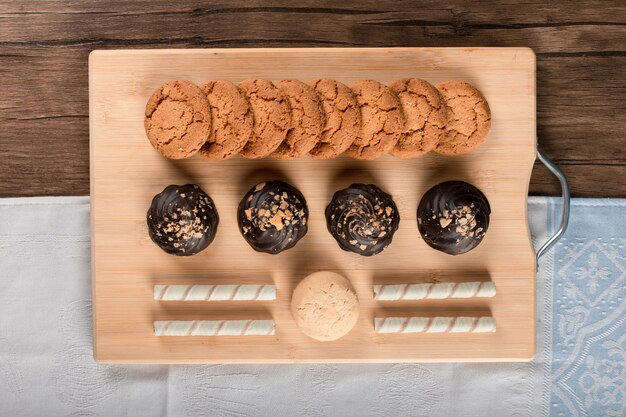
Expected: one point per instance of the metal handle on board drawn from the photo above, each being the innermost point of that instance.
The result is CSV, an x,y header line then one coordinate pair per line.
x,y
566,203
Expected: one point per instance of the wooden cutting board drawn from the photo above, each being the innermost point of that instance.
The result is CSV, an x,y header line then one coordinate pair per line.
x,y
126,172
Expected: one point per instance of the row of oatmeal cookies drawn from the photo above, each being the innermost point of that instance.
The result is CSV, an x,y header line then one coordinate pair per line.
x,y
323,119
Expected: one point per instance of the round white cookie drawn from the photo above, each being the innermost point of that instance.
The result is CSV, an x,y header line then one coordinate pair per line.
x,y
325,306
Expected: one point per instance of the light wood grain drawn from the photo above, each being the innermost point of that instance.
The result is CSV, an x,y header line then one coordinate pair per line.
x,y
126,173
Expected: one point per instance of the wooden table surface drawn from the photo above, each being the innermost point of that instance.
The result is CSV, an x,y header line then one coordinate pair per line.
x,y
44,46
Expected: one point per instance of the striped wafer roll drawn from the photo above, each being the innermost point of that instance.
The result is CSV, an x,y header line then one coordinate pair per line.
x,y
434,324
215,328
214,292
439,290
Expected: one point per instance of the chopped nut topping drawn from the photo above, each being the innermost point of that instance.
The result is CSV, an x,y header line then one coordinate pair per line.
x,y
444,222
277,220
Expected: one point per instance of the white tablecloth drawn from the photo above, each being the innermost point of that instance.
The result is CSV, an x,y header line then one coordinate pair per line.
x,y
47,369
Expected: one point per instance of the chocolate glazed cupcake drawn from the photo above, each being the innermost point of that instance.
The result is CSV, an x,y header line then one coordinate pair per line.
x,y
453,217
362,218
182,220
273,217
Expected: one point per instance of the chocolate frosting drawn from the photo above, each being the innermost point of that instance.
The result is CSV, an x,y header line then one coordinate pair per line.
x,y
273,217
362,218
453,217
182,220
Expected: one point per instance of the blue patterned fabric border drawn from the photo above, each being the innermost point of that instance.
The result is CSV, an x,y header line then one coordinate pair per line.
x,y
588,363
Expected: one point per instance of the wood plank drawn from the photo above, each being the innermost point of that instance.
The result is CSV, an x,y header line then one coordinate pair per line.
x,y
605,180
126,264
249,27
458,11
